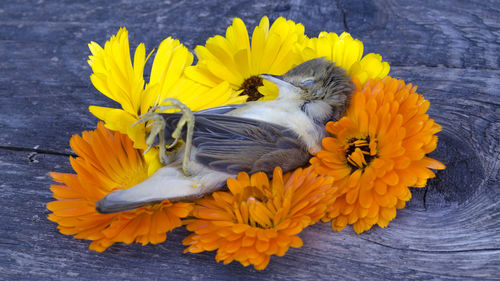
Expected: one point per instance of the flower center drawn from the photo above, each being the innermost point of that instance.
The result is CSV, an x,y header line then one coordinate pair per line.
x,y
250,88
360,152
256,204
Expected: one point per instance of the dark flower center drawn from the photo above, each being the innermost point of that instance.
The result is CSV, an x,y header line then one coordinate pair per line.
x,y
358,153
250,88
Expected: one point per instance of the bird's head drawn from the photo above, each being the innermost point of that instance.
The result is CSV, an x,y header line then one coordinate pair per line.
x,y
316,80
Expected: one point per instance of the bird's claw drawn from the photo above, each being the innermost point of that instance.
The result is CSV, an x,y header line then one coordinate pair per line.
x,y
158,128
187,119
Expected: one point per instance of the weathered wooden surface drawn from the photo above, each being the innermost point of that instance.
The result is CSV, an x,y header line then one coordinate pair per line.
x,y
450,230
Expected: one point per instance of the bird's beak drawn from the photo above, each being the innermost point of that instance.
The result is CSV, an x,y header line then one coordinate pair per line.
x,y
286,89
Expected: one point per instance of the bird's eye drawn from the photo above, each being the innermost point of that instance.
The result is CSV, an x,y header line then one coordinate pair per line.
x,y
307,82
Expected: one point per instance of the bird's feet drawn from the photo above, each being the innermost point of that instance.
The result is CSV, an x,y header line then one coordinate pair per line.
x,y
158,128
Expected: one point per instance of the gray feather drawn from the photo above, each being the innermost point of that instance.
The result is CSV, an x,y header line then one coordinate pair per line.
x,y
220,109
235,144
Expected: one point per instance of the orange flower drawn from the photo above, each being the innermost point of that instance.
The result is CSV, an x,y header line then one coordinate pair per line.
x,y
258,218
377,151
108,161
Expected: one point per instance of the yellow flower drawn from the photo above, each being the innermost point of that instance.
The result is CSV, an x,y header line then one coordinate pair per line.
x,y
377,151
347,53
258,218
107,162
116,77
236,60
274,50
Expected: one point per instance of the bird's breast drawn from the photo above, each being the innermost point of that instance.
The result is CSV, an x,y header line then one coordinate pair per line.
x,y
287,114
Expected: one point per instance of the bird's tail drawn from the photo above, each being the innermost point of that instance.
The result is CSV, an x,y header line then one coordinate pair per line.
x,y
167,182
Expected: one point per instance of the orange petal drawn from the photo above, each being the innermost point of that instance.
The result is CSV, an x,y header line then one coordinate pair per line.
x,y
365,198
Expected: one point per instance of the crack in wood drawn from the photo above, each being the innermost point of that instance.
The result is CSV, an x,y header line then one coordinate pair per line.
x,y
425,197
35,151
433,251
31,157
344,16
443,66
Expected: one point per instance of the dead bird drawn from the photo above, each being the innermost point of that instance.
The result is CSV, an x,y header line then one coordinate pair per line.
x,y
251,137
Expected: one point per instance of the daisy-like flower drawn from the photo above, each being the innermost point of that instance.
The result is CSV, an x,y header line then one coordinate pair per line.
x,y
258,218
347,53
116,77
377,151
236,60
108,161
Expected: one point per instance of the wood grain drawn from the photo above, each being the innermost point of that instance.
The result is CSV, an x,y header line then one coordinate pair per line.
x,y
450,229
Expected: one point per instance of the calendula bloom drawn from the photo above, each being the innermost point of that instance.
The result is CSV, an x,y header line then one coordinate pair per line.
x,y
258,217
116,77
347,53
377,151
108,161
237,60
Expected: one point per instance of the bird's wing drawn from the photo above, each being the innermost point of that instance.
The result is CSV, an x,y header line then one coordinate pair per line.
x,y
235,144
220,109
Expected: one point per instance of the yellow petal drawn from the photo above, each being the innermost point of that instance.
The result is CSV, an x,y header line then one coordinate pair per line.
x,y
115,119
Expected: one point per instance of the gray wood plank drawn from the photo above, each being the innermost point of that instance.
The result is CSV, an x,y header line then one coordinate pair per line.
x,y
450,230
